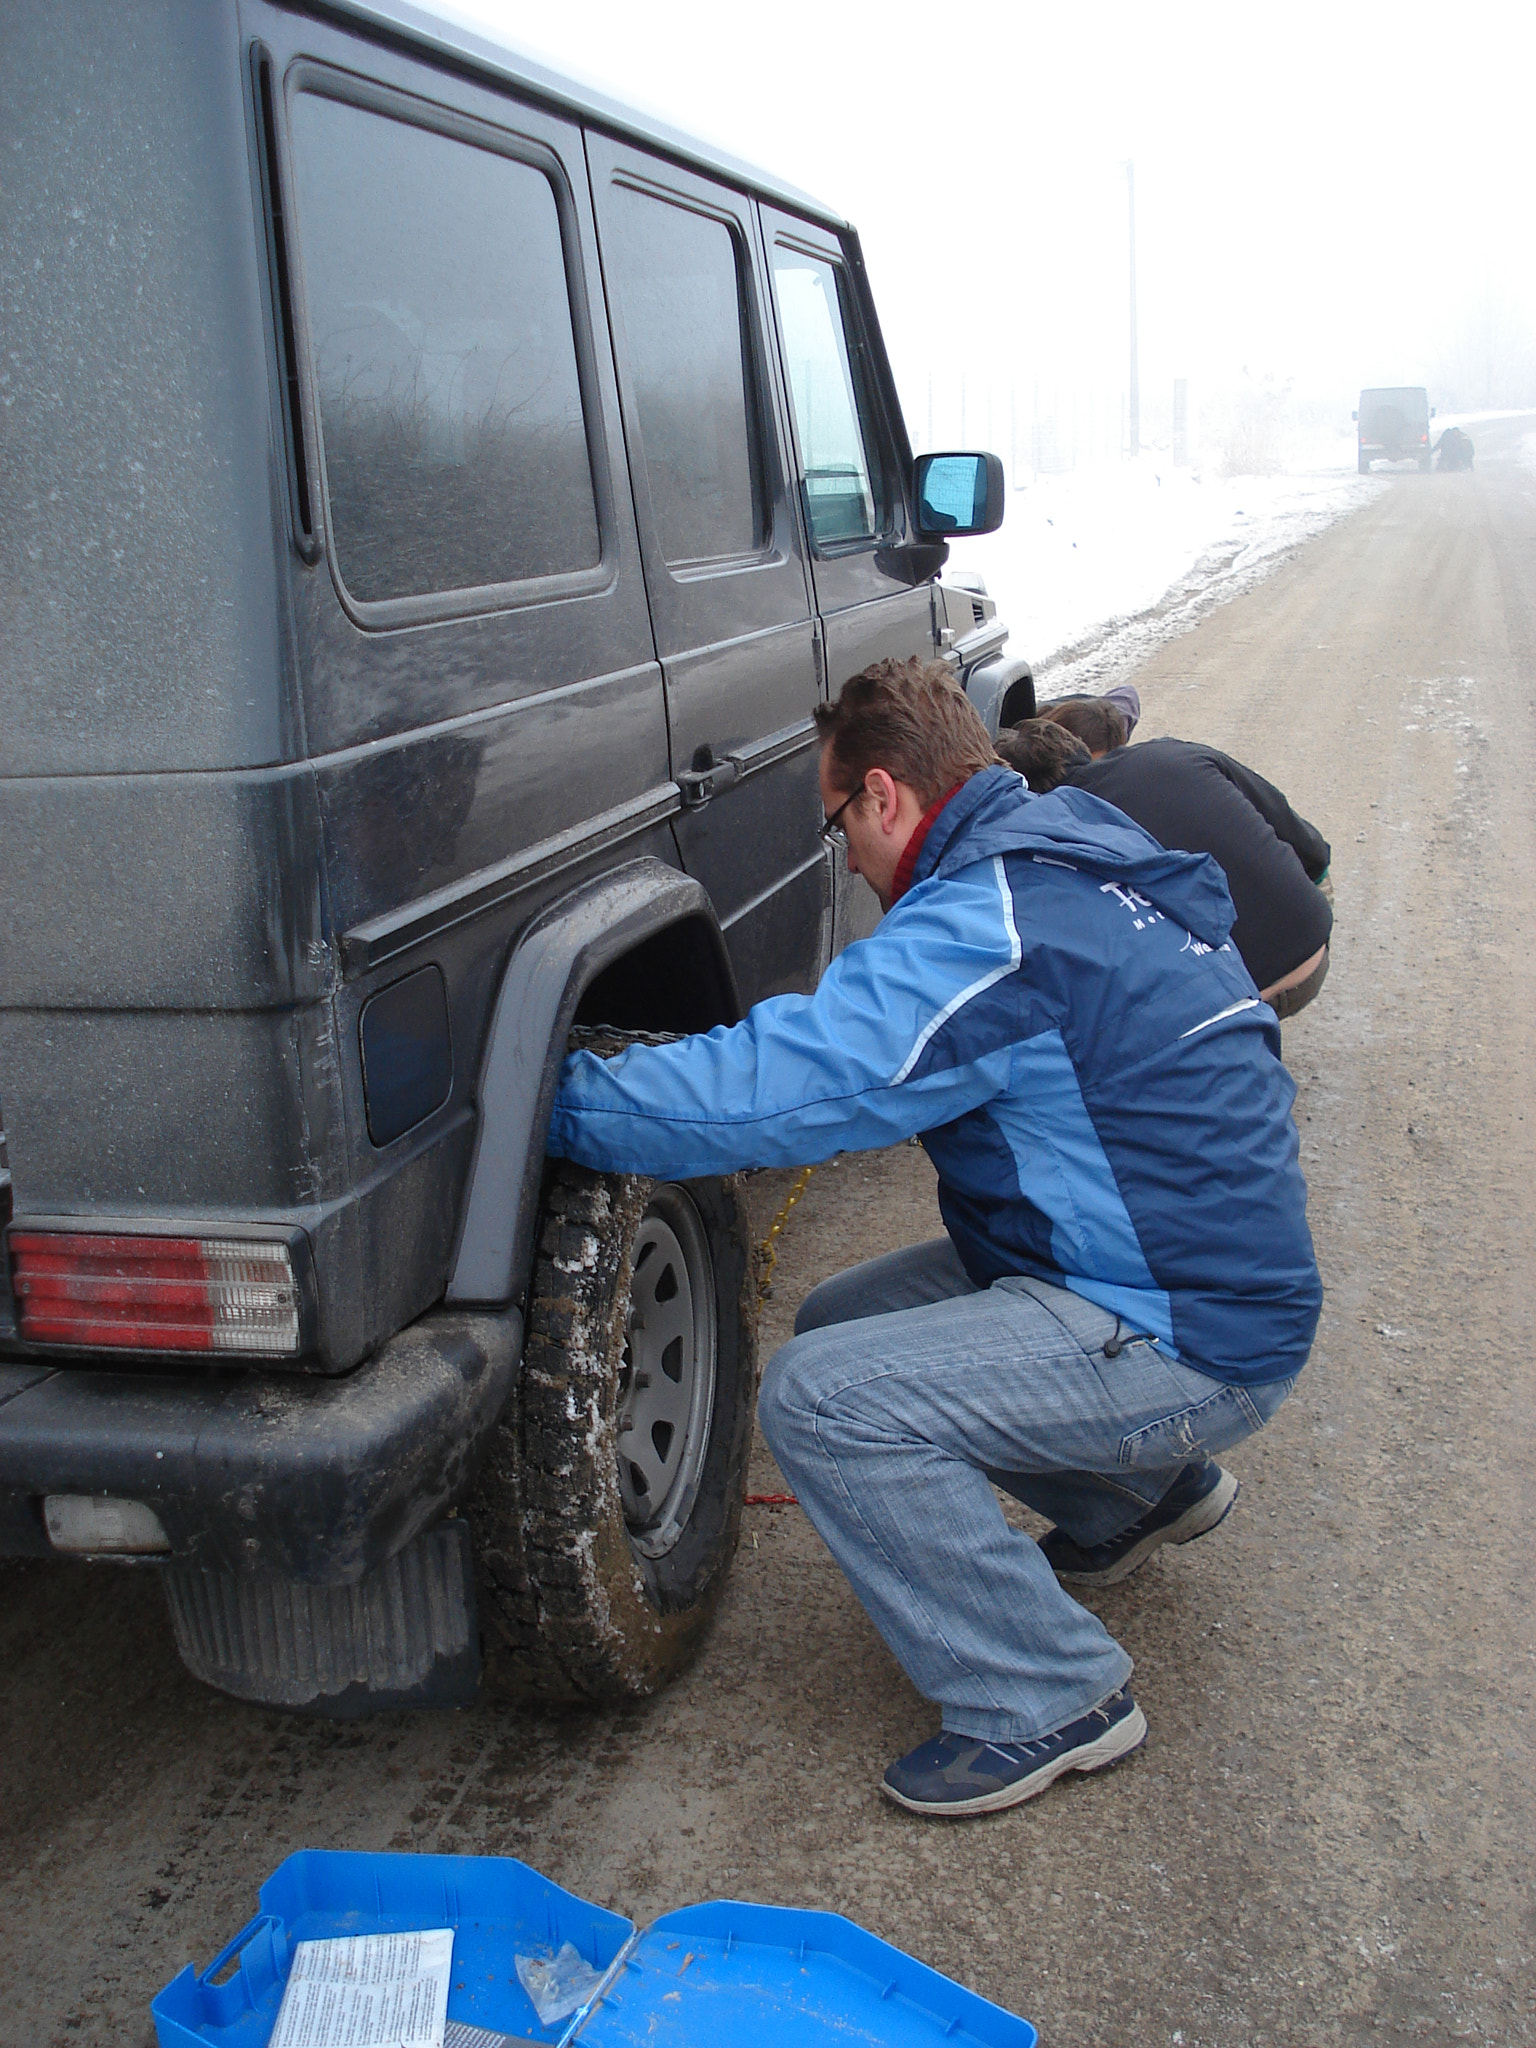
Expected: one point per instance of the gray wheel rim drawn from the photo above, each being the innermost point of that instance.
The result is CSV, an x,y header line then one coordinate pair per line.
x,y
667,1379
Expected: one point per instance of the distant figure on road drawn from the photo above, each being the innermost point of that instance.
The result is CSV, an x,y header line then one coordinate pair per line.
x,y
1453,450
1199,800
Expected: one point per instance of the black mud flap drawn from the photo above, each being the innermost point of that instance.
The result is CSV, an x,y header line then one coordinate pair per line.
x,y
406,1635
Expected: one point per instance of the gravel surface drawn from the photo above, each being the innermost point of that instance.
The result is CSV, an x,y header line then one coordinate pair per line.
x,y
1328,1837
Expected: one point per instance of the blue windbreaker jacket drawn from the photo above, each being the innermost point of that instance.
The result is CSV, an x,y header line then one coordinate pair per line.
x,y
1054,1008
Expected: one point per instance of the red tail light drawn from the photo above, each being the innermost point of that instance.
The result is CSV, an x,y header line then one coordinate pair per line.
x,y
154,1293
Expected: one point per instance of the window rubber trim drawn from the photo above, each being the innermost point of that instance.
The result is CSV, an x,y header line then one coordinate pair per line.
x,y
300,503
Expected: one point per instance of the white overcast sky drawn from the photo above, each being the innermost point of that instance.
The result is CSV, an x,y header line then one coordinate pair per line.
x,y
1324,193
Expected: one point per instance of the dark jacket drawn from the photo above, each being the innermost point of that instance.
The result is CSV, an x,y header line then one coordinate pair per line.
x,y
1201,800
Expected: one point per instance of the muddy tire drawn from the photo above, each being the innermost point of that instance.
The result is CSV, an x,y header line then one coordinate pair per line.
x,y
608,1510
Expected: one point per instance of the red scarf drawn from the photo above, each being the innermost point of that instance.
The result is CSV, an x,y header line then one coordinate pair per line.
x,y
902,880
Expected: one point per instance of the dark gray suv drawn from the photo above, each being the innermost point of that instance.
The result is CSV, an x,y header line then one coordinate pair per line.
x,y
1392,425
434,502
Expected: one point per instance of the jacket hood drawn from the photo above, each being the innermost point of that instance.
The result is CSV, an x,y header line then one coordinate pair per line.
x,y
996,813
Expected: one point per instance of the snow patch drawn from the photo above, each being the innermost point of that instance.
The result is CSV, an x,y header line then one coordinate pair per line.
x,y
1094,569
585,1260
1443,704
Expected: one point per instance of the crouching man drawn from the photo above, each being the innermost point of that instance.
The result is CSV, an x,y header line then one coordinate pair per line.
x,y
1126,1287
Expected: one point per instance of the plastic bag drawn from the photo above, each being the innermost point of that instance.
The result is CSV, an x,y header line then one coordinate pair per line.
x,y
557,1984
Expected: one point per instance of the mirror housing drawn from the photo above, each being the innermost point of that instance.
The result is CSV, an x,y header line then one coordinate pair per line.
x,y
1354,415
957,494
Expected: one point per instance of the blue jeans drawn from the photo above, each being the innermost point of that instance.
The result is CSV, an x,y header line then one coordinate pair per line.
x,y
905,1391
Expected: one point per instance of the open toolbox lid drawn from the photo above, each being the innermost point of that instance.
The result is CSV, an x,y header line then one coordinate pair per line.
x,y
708,1976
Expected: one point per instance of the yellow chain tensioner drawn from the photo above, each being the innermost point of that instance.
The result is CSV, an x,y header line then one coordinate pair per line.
x,y
768,1250
768,1256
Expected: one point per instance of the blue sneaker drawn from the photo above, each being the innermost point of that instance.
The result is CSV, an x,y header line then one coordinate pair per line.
x,y
1197,1500
956,1775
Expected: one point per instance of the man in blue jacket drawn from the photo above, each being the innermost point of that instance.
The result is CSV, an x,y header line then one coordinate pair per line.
x,y
1126,1287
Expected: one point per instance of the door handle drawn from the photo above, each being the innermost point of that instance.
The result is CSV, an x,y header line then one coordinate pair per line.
x,y
707,777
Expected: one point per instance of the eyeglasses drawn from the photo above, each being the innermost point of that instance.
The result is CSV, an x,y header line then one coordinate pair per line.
x,y
832,833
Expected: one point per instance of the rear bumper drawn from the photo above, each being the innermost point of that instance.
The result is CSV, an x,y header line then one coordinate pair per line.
x,y
269,1475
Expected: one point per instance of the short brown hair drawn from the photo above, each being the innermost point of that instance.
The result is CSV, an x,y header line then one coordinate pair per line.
x,y
910,718
1099,724
1043,751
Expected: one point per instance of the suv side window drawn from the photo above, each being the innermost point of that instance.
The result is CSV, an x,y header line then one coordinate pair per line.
x,y
840,484
679,290
455,450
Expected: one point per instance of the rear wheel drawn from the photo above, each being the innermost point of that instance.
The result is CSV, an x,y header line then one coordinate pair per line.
x,y
608,1510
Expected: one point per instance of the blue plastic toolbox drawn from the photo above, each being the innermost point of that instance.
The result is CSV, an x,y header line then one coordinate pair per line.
x,y
710,1976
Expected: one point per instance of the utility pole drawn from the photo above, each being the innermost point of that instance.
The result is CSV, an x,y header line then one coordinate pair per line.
x,y
1130,187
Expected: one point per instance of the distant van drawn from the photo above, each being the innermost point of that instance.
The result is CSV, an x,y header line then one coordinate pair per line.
x,y
435,502
1393,424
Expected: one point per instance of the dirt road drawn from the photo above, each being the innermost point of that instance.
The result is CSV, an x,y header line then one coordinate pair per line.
x,y
1328,1838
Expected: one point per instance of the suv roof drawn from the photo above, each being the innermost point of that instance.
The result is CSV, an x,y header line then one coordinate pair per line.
x,y
1413,395
417,26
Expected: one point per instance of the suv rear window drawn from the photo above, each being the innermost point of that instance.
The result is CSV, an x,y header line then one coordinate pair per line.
x,y
444,358
1411,400
688,345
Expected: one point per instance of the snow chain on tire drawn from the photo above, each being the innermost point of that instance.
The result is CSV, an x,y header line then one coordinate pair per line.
x,y
572,1611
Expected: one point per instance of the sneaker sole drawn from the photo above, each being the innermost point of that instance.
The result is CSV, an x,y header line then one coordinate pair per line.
x,y
1108,1748
1198,1520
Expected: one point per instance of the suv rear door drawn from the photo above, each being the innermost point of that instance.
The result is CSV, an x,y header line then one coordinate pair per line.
x,y
729,593
482,707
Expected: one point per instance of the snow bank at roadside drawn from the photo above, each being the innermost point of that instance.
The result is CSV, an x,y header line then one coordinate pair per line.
x,y
1525,450
1471,419
1094,568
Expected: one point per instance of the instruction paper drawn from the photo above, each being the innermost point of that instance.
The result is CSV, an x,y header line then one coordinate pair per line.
x,y
458,2035
367,1991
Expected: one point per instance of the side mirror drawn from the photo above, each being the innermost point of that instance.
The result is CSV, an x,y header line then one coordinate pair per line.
x,y
957,495
1431,412
1354,415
